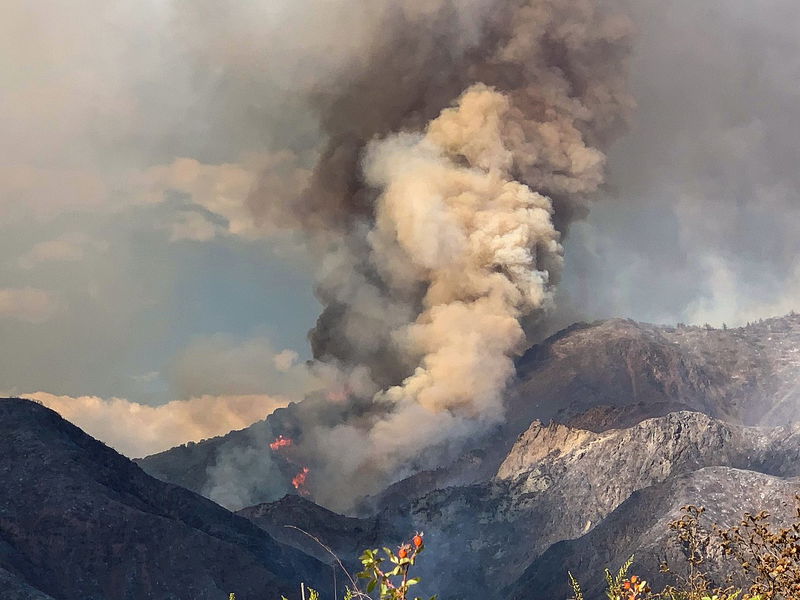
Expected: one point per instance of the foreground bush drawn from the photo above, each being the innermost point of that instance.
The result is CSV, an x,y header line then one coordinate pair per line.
x,y
389,572
394,582
763,562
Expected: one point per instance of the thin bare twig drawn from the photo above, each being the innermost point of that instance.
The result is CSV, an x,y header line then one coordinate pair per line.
x,y
355,589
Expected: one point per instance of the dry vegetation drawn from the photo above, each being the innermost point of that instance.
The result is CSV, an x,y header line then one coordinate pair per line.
x,y
763,562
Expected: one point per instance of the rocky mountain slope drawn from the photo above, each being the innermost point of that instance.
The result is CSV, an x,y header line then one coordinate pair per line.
x,y
747,375
287,519
597,376
77,520
561,483
640,524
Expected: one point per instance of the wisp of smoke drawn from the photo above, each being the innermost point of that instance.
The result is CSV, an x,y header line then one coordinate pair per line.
x,y
462,140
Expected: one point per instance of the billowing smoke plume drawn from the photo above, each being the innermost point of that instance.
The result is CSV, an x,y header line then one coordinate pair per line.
x,y
478,243
462,141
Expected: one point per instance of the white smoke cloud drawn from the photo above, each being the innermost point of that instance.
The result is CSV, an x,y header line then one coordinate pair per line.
x,y
700,222
137,430
724,303
223,365
27,304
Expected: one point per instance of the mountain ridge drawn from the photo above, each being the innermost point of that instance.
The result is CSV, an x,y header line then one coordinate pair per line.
x,y
79,520
602,375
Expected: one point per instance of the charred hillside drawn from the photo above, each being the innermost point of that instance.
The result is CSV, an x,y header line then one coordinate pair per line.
x,y
747,375
641,523
559,483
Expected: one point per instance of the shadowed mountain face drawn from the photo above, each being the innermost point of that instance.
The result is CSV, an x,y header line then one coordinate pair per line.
x,y
287,519
15,588
77,520
747,375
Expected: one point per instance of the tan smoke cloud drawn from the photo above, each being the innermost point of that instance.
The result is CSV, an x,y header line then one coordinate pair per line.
x,y
30,191
437,208
472,233
70,247
137,430
221,365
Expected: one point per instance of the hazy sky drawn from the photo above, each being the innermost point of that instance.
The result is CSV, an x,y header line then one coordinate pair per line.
x,y
132,133
703,219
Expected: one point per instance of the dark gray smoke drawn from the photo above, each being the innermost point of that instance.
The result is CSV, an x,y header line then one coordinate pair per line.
x,y
462,139
562,65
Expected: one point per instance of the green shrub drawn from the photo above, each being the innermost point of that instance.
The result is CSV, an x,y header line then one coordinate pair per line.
x,y
389,573
393,582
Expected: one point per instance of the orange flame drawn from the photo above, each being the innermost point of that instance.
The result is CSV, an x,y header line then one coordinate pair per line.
x,y
281,442
299,481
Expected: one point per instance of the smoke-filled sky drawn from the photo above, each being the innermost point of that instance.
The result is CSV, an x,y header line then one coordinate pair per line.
x,y
141,143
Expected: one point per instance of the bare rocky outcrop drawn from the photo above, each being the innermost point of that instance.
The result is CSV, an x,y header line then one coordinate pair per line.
x,y
540,442
651,449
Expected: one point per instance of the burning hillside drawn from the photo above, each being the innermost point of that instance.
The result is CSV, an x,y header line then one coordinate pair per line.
x,y
282,445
